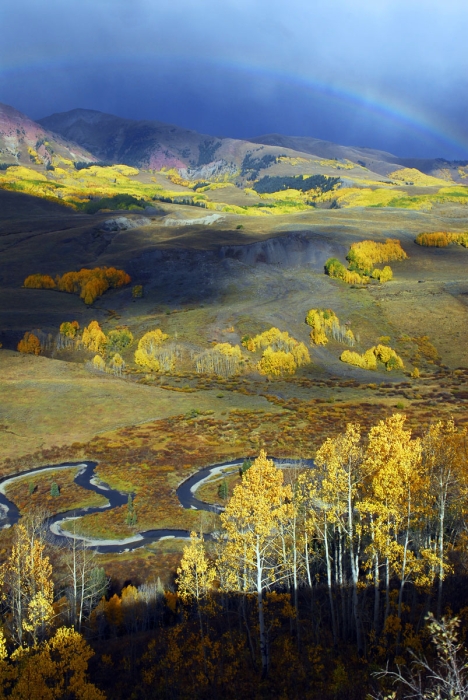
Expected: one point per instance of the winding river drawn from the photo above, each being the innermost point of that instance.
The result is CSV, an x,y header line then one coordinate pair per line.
x,y
86,478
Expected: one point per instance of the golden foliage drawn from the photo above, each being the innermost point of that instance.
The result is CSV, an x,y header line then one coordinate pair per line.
x,y
276,363
223,360
437,239
69,329
325,322
384,275
283,354
369,359
116,365
98,363
334,268
39,281
257,507
228,350
442,239
91,284
300,354
364,255
55,669
278,340
29,344
366,361
93,338
196,575
27,587
148,345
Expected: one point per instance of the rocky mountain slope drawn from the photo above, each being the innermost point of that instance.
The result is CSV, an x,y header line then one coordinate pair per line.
x,y
155,144
378,161
24,142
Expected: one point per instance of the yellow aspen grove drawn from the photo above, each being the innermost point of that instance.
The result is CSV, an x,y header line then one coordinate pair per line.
x,y
27,587
249,560
93,338
397,498
146,355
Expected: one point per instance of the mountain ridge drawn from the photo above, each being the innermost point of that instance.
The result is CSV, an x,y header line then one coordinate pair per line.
x,y
24,141
92,136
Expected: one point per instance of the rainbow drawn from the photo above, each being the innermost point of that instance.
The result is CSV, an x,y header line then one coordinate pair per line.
x,y
389,108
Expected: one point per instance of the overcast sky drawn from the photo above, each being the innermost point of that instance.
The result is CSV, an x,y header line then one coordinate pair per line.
x,y
390,74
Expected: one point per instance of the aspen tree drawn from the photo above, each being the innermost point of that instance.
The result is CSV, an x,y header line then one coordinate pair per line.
x,y
393,465
148,345
444,460
27,587
195,576
318,526
259,506
339,461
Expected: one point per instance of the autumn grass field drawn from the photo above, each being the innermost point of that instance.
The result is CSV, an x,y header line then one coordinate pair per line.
x,y
35,491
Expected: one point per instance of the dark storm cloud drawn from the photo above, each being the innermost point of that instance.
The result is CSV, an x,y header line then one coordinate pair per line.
x,y
388,74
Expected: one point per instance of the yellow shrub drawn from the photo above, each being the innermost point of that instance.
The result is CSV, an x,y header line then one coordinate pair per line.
x,y
334,268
